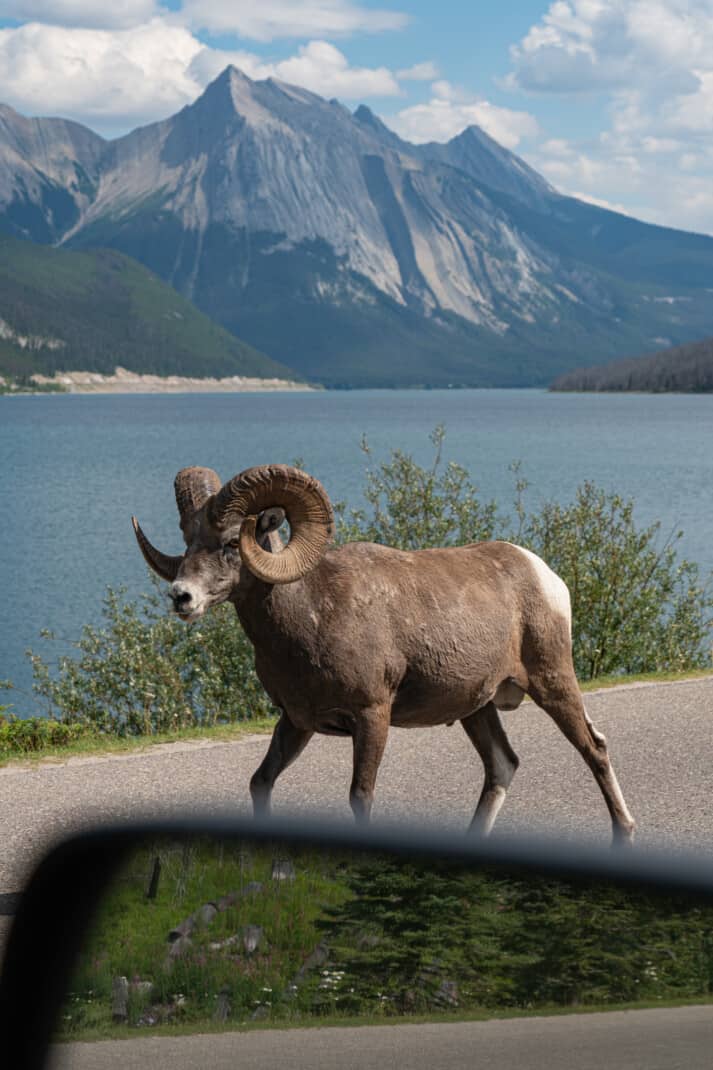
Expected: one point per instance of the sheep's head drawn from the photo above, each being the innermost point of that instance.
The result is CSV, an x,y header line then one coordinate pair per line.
x,y
227,527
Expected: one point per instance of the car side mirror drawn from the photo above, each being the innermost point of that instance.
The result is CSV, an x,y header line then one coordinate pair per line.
x,y
198,926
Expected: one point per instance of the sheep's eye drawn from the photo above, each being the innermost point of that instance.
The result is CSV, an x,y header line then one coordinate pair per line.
x,y
230,547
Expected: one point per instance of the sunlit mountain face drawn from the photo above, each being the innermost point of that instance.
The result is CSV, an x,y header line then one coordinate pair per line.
x,y
355,258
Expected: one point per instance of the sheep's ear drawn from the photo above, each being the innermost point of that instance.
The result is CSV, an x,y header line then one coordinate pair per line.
x,y
270,520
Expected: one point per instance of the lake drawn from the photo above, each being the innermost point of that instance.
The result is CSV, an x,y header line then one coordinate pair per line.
x,y
74,468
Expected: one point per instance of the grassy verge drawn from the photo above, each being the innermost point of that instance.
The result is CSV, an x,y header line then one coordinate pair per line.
x,y
337,1021
85,741
645,678
92,743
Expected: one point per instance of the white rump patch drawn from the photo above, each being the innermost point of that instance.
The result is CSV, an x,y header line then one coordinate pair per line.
x,y
553,588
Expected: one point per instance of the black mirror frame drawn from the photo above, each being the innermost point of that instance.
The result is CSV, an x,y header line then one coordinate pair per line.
x,y
75,874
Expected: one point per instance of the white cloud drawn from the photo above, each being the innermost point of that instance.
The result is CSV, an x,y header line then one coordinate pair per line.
x,y
450,110
317,66
90,14
113,80
420,72
267,20
119,76
580,45
660,144
653,62
321,67
666,187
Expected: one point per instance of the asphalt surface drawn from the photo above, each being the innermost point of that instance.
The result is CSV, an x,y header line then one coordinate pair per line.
x,y
660,739
676,1038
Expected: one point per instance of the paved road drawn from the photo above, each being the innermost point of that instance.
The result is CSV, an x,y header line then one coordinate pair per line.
x,y
661,739
660,736
660,1039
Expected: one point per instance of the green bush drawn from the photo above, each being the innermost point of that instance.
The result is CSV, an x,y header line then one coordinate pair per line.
x,y
636,606
413,507
145,672
406,929
29,735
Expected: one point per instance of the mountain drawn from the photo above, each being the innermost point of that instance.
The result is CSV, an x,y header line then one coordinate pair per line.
x,y
683,369
49,169
348,254
62,310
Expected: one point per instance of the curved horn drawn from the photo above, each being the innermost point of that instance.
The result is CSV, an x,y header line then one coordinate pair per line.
x,y
308,511
167,567
194,486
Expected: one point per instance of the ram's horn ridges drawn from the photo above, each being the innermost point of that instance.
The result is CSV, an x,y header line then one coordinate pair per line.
x,y
166,567
306,506
194,486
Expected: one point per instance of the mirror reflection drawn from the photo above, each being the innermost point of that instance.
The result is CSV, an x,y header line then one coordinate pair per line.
x,y
206,935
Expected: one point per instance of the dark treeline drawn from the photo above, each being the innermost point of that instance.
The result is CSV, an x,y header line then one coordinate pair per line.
x,y
683,369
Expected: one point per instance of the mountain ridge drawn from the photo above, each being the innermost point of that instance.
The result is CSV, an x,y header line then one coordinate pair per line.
x,y
356,258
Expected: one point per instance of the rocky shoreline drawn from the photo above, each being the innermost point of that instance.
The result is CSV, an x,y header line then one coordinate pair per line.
x,y
126,382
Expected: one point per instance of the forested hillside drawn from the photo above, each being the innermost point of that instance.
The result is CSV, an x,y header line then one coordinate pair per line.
x,y
94,310
682,369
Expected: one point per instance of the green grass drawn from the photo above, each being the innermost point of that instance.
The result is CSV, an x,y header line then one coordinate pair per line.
x,y
503,967
93,743
337,1021
645,678
130,934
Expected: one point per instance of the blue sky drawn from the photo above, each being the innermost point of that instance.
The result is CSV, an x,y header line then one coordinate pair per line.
x,y
612,100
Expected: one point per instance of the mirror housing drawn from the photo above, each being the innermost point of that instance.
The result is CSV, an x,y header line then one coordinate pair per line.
x,y
57,907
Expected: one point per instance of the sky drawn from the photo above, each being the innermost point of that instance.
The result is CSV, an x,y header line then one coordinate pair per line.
x,y
610,100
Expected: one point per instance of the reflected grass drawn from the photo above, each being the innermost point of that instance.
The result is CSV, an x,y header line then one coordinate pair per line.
x,y
343,939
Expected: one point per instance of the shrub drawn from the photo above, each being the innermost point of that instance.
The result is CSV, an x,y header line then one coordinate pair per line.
x,y
29,735
406,929
412,507
635,607
145,672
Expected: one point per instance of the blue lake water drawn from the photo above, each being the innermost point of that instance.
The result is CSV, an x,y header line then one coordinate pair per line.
x,y
74,468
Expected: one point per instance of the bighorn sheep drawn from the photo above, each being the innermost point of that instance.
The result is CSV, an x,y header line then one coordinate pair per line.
x,y
351,640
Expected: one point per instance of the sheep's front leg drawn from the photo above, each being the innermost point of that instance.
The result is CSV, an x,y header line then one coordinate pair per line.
x,y
286,744
500,762
369,738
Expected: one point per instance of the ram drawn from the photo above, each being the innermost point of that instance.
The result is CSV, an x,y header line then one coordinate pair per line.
x,y
351,640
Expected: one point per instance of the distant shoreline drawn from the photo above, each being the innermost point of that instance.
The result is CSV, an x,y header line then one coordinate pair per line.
x,y
126,382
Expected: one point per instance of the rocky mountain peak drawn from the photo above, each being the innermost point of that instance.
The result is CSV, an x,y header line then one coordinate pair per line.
x,y
366,117
368,121
474,151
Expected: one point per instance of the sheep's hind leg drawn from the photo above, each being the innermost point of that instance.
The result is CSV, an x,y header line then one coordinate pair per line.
x,y
563,702
286,744
486,733
369,739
